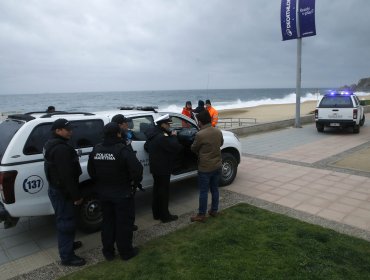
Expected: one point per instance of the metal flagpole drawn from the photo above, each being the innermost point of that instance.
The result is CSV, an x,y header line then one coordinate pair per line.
x,y
298,84
302,12
299,72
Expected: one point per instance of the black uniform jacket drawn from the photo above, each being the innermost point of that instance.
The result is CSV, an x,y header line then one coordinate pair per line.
x,y
62,167
198,110
114,168
162,151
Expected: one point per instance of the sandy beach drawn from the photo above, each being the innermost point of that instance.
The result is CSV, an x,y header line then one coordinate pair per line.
x,y
275,112
268,113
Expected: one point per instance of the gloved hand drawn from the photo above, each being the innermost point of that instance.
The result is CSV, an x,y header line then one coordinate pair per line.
x,y
134,187
140,187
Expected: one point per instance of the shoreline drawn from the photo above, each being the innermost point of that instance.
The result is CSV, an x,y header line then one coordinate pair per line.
x,y
262,113
273,112
270,112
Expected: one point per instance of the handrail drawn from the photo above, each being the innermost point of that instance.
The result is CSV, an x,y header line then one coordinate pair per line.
x,y
233,122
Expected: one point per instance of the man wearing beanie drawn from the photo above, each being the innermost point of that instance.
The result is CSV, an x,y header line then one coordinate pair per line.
x,y
212,112
113,168
200,107
187,111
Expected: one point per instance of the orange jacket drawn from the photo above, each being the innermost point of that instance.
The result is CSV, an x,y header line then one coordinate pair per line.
x,y
186,112
214,115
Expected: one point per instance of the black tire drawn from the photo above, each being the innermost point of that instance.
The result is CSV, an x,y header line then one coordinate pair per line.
x,y
90,215
356,129
320,127
362,120
228,170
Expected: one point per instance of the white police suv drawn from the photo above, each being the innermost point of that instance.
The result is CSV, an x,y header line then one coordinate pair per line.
x,y
23,185
339,109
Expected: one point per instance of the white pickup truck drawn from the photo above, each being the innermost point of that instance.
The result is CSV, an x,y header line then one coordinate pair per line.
x,y
339,109
23,185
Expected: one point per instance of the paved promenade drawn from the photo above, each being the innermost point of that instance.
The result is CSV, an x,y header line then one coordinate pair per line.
x,y
298,168
295,171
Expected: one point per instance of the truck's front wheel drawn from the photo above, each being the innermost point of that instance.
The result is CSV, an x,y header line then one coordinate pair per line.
x,y
229,169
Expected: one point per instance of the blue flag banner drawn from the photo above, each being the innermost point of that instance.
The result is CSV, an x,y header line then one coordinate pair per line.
x,y
306,15
288,19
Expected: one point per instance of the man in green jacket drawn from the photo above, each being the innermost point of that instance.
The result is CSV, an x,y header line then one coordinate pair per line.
x,y
206,145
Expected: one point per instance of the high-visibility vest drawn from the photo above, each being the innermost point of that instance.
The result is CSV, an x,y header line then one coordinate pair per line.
x,y
214,115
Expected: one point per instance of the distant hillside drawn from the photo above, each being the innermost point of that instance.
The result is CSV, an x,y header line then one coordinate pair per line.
x,y
362,85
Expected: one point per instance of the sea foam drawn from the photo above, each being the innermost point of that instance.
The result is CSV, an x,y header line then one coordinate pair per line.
x,y
237,104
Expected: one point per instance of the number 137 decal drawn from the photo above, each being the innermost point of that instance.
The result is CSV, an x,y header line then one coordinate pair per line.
x,y
33,184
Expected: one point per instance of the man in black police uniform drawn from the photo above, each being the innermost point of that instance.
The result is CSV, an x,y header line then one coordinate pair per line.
x,y
115,169
163,147
127,135
62,170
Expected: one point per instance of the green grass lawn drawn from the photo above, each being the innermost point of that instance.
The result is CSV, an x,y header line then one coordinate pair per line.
x,y
244,242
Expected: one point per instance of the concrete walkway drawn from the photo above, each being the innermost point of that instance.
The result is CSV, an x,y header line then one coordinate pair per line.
x,y
297,168
295,171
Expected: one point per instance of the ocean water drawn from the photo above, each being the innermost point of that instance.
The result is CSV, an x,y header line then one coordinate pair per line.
x,y
171,100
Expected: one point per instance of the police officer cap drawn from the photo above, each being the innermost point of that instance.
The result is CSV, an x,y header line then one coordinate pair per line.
x,y
61,123
163,119
119,118
111,129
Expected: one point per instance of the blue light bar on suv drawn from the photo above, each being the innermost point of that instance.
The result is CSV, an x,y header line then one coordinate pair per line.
x,y
342,92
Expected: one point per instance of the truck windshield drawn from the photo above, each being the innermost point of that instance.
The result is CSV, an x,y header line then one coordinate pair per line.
x,y
336,102
7,130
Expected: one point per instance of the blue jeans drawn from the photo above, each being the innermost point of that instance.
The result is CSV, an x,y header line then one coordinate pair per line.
x,y
65,221
208,180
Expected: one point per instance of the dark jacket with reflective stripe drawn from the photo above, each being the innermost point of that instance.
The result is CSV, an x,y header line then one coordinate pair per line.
x,y
113,167
62,167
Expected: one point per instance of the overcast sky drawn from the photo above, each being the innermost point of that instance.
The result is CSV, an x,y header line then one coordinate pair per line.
x,y
122,45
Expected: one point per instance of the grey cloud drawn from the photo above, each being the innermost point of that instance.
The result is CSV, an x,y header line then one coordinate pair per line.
x,y
48,46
